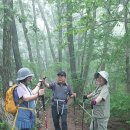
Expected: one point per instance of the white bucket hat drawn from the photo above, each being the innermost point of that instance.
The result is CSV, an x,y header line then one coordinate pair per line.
x,y
104,74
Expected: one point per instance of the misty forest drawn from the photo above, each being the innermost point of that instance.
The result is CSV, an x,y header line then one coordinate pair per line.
x,y
81,37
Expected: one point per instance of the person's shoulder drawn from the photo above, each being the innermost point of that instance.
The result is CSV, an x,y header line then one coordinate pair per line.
x,y
67,84
105,87
52,85
21,87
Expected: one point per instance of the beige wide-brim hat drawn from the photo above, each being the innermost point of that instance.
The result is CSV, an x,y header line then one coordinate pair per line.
x,y
104,74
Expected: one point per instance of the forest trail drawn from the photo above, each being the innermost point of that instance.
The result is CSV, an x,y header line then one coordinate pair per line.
x,y
75,121
74,118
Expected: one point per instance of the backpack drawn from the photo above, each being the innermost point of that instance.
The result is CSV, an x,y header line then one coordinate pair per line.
x,y
12,100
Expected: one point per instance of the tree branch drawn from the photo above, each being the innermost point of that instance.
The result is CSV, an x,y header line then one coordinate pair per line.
x,y
113,20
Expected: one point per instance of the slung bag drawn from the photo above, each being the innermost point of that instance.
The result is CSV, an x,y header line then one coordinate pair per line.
x,y
11,100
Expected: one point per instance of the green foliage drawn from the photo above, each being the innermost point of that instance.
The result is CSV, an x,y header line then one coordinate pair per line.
x,y
128,122
34,28
22,19
4,126
0,89
1,8
120,104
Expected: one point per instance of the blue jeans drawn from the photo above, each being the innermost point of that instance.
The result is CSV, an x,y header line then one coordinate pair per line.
x,y
56,119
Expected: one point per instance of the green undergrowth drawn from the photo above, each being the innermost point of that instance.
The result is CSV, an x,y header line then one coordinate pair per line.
x,y
120,105
4,126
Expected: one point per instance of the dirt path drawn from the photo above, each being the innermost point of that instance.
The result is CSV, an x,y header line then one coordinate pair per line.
x,y
70,120
118,124
75,121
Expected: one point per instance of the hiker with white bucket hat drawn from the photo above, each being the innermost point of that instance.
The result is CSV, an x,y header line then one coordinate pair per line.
x,y
100,102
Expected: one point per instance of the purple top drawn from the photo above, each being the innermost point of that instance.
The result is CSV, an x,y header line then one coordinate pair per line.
x,y
22,90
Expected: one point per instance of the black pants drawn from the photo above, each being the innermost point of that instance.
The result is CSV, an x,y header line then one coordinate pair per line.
x,y
56,118
25,129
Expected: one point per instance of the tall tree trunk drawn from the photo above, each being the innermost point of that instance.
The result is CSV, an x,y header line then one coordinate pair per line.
x,y
107,28
89,50
15,46
71,43
6,75
36,37
59,12
127,39
48,31
1,70
82,79
79,57
46,62
103,60
27,39
88,58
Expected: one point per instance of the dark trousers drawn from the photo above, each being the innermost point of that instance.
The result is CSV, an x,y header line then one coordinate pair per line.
x,y
56,119
25,129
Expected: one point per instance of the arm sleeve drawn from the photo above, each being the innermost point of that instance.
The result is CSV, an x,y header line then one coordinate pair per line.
x,y
104,93
52,86
70,92
21,92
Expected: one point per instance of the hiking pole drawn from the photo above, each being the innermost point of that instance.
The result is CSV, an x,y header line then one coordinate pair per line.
x,y
74,112
44,108
92,118
85,111
83,115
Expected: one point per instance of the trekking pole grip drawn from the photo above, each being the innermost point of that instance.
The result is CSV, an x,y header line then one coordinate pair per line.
x,y
42,97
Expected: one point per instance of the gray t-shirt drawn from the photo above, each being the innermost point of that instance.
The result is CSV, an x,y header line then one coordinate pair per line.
x,y
60,92
102,109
